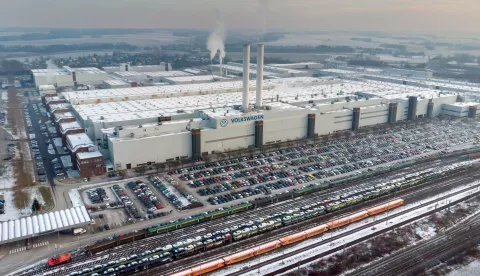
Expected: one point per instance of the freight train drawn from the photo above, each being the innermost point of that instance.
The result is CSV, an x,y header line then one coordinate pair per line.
x,y
287,240
245,230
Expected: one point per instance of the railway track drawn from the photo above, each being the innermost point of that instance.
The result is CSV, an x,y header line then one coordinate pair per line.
x,y
81,262
413,260
408,196
401,265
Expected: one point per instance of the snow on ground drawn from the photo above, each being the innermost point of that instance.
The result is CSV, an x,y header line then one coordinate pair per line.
x,y
173,190
51,150
415,211
11,212
7,179
66,161
57,142
75,198
4,96
472,268
426,230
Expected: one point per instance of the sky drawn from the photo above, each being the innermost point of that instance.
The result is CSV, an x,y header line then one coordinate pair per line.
x,y
436,16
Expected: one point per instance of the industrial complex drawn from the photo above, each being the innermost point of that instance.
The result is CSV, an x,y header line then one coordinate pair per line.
x,y
192,116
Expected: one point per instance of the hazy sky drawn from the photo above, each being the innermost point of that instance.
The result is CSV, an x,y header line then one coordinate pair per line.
x,y
383,15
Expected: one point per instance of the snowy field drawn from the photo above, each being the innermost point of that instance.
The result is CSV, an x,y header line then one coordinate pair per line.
x,y
75,198
415,211
6,180
11,212
472,268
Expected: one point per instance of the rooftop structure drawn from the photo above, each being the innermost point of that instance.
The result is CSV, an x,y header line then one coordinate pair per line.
x,y
193,79
88,155
75,141
25,228
67,77
64,127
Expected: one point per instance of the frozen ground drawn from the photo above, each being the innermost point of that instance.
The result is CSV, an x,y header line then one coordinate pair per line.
x,y
352,237
11,212
66,161
6,178
471,269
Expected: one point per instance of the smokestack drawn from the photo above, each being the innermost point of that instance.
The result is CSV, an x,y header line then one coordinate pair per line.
x,y
260,53
246,76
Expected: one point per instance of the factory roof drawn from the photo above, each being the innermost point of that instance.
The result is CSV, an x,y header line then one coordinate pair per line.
x,y
239,69
25,228
88,155
126,74
46,87
169,90
465,104
63,115
59,106
116,82
193,79
66,71
167,74
192,71
78,140
293,64
339,71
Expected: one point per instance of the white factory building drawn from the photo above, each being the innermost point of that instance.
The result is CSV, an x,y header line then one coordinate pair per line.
x,y
69,77
180,121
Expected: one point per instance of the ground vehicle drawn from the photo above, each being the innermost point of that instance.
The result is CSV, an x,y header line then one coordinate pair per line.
x,y
79,231
60,259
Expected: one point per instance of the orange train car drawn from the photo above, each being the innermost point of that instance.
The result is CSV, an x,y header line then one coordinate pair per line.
x,y
384,207
202,269
316,230
60,259
266,247
293,238
347,220
240,256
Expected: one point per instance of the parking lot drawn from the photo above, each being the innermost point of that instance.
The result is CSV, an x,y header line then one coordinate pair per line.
x,y
244,178
41,133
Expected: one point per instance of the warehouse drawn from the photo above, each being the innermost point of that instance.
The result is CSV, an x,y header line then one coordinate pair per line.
x,y
33,226
69,77
193,79
232,121
182,121
108,84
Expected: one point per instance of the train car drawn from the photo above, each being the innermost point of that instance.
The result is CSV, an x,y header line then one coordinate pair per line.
x,y
238,257
316,230
267,247
347,220
202,269
60,259
384,207
293,238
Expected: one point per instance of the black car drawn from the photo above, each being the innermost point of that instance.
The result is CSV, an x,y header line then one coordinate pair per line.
x,y
106,227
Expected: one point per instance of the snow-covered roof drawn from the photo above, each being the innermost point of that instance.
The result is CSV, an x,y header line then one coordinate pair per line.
x,y
88,155
77,140
25,228
69,126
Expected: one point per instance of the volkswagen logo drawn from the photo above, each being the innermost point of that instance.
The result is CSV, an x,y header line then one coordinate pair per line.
x,y
224,122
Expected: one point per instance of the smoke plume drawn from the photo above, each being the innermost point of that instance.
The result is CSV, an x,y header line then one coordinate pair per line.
x,y
216,41
50,75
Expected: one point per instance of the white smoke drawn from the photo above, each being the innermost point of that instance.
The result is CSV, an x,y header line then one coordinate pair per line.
x,y
216,42
50,74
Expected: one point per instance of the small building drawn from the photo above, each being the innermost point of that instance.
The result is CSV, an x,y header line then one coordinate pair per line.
x,y
65,117
69,128
47,90
115,84
48,101
77,143
90,163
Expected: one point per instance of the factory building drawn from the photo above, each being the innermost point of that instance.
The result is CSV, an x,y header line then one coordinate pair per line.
x,y
47,90
69,128
69,77
185,119
108,84
138,68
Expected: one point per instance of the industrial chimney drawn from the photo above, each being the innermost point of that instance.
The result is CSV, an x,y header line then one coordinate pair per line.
x,y
260,53
246,77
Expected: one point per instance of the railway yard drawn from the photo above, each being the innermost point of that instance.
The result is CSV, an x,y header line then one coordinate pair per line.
x,y
195,220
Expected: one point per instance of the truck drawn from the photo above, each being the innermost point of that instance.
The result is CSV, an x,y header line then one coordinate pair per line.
x,y
79,231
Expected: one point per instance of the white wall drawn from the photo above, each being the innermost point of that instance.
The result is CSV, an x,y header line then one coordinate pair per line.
x,y
150,149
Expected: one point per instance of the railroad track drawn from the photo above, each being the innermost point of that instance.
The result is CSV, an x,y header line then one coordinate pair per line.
x,y
413,260
81,262
188,262
313,258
